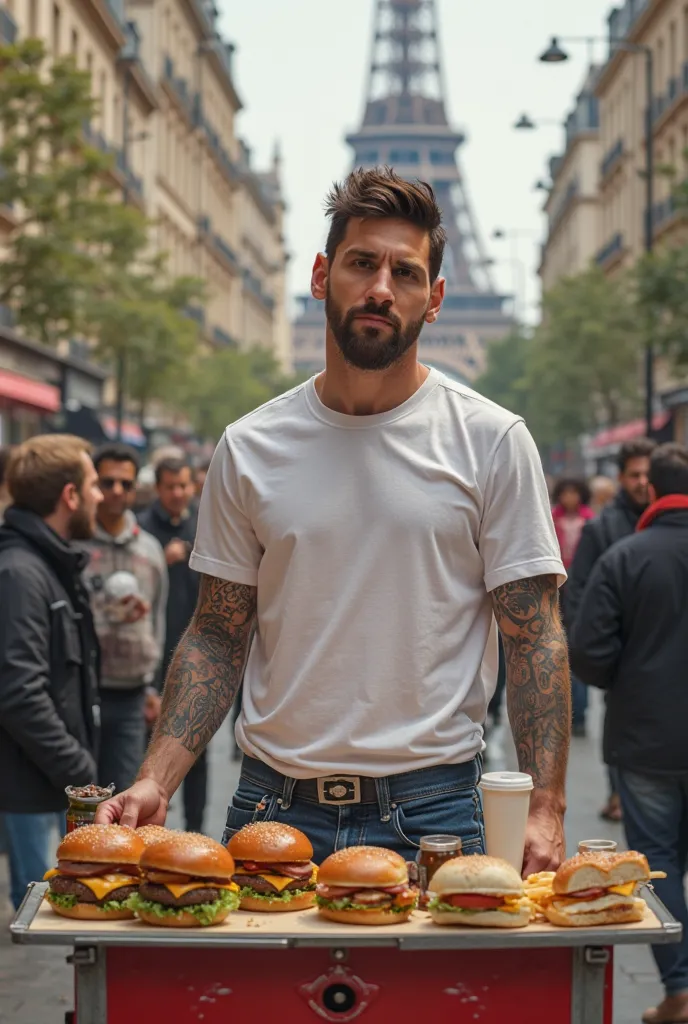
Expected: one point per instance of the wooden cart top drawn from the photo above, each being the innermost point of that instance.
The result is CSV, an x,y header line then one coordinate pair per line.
x,y
36,923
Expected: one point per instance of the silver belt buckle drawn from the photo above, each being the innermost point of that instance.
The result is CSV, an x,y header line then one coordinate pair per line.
x,y
339,790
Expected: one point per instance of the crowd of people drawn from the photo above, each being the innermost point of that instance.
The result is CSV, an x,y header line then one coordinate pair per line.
x,y
95,593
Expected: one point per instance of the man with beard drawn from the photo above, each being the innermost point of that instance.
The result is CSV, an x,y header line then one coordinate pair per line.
x,y
371,524
49,714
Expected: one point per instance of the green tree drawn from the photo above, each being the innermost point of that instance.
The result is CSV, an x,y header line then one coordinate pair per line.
x,y
504,378
582,366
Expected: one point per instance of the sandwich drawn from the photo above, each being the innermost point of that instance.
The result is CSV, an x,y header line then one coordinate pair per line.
x,y
593,888
365,885
186,882
478,891
97,872
274,869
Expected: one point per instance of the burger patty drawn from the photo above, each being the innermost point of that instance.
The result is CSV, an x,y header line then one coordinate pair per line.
x,y
160,894
70,887
264,887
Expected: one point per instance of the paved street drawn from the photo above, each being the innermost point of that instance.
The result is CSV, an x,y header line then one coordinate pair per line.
x,y
35,983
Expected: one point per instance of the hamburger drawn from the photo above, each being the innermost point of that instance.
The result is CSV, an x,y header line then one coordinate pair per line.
x,y
274,869
97,873
365,885
479,891
593,888
186,882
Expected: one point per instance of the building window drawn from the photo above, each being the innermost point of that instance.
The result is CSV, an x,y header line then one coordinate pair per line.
x,y
89,66
404,156
439,156
75,43
103,101
672,48
33,18
57,30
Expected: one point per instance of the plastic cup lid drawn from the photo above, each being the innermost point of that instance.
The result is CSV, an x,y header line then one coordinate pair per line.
x,y
507,782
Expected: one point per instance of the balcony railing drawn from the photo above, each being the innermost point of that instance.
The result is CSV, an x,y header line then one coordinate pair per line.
x,y
8,27
179,86
611,158
197,314
254,286
226,250
612,248
564,204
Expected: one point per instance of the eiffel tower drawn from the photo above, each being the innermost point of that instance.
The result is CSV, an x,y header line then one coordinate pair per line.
x,y
405,125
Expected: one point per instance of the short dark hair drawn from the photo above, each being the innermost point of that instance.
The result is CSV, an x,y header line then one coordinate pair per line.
x,y
115,451
202,467
575,484
170,466
40,469
641,448
381,192
669,469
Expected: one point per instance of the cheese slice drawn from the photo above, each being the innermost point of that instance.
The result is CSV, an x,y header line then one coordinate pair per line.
x,y
180,890
50,874
511,909
279,881
100,886
623,890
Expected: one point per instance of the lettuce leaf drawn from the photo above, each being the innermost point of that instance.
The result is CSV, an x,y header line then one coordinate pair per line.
x,y
59,900
271,897
205,913
345,904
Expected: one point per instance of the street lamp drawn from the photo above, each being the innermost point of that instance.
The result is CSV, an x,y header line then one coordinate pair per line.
x,y
554,54
527,123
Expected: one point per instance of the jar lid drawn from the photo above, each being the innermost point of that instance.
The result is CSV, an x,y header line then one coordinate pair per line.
x,y
510,782
440,844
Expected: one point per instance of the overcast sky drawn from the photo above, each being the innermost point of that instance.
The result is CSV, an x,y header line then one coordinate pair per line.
x,y
301,72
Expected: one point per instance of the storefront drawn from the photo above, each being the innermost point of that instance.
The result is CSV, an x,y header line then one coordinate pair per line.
x,y
600,450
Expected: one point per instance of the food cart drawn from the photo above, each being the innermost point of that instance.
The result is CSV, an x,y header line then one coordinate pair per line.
x,y
297,968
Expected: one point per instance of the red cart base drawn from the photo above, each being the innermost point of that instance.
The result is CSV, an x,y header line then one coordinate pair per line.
x,y
377,986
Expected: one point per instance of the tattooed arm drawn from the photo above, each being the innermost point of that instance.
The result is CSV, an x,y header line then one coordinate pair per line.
x,y
539,704
200,688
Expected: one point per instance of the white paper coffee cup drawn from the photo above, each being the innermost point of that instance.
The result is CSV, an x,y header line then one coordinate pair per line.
x,y
506,802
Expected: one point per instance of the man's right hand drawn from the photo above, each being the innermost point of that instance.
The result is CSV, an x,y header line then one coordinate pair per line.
x,y
144,803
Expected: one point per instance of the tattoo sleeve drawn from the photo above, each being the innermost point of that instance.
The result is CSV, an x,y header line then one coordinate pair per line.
x,y
206,671
537,677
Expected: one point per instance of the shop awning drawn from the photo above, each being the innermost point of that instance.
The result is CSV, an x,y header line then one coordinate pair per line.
x,y
131,432
25,391
628,431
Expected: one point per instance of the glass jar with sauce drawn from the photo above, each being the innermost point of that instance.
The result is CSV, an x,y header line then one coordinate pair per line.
x,y
83,803
434,851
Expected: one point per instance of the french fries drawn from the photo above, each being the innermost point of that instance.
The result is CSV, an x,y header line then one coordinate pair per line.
x,y
538,889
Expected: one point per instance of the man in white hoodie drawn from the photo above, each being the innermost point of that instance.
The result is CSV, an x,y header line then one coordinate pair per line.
x,y
127,579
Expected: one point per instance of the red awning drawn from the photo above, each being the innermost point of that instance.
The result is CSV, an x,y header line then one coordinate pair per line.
x,y
628,431
25,391
131,432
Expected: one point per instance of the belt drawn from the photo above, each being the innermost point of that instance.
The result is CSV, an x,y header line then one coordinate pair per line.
x,y
341,789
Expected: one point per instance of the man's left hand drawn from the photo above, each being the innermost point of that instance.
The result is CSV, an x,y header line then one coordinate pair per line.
x,y
545,843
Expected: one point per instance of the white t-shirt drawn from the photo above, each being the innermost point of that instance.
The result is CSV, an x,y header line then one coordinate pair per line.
x,y
374,542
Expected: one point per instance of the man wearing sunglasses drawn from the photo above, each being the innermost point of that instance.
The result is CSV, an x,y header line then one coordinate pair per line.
x,y
127,579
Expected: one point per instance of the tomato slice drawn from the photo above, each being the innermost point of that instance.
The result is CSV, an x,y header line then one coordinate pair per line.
x,y
472,901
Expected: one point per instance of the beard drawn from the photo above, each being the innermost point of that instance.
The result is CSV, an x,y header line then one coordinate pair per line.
x,y
370,348
81,525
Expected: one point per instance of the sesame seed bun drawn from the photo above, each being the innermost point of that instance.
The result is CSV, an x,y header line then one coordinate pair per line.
x,y
592,870
90,912
270,842
154,833
180,920
277,906
370,917
489,876
189,853
101,844
363,867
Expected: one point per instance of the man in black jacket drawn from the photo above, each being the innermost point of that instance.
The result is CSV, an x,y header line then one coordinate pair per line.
x,y
172,520
49,714
630,638
616,520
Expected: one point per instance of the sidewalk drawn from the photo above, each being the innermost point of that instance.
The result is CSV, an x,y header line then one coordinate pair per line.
x,y
35,982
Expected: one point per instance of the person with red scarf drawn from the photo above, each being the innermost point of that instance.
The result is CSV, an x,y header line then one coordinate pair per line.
x,y
630,638
571,512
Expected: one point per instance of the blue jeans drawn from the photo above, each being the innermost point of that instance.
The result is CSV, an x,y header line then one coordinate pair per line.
x,y
579,701
655,810
28,838
405,808
122,736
